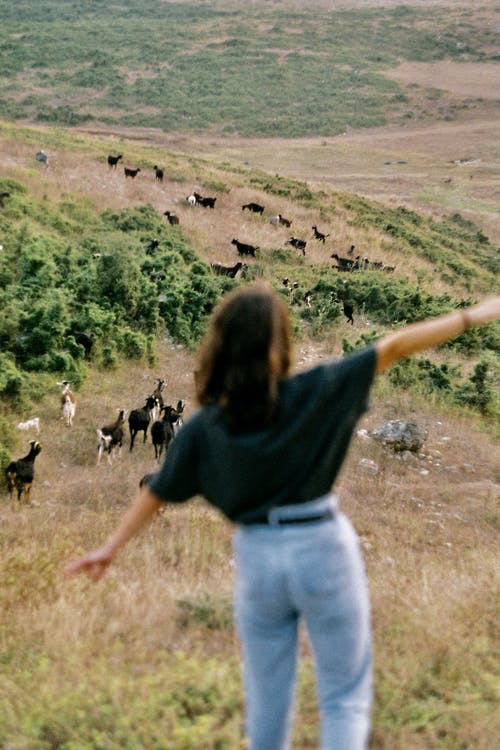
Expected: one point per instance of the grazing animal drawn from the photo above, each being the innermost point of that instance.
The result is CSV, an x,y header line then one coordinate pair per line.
x,y
275,220
158,173
243,248
20,473
110,437
172,218
308,299
158,397
230,271
162,431
30,424
86,340
191,199
319,235
139,419
3,197
346,264
351,250
285,222
254,208
68,403
206,202
298,244
152,245
347,308
42,157
113,160
131,171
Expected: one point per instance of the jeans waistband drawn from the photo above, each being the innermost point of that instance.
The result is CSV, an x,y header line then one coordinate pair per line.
x,y
320,509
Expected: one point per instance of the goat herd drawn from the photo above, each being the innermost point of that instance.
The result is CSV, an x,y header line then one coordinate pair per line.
x,y
165,421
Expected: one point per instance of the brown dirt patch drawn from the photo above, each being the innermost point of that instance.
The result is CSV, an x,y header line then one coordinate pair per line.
x,y
464,79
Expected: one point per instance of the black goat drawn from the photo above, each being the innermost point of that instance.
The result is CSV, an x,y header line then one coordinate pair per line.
x,y
230,271
285,222
111,437
298,244
172,218
243,248
162,431
158,173
20,473
113,160
139,419
346,264
3,197
254,208
319,235
86,340
347,308
131,171
206,202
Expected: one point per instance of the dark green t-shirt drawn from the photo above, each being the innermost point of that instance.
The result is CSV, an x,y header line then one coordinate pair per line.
x,y
293,460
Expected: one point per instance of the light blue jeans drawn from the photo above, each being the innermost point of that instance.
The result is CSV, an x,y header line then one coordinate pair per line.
x,y
312,572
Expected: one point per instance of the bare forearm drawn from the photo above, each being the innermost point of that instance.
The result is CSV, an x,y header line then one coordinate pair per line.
x,y
140,512
428,333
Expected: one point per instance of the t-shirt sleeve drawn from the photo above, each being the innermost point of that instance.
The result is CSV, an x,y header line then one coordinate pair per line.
x,y
352,378
177,479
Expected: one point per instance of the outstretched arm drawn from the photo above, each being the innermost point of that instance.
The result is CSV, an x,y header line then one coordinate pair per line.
x,y
95,563
428,333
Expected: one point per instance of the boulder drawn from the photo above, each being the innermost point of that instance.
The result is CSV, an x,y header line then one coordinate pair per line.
x,y
400,435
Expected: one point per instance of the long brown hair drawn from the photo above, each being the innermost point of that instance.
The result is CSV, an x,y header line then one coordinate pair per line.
x,y
245,353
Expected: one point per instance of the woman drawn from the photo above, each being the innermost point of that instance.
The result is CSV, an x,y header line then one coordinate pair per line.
x,y
265,448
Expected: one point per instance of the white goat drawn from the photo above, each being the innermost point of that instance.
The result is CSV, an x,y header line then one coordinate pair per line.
x,y
30,424
68,403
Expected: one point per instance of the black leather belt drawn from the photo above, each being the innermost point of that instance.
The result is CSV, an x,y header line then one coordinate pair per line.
x,y
329,513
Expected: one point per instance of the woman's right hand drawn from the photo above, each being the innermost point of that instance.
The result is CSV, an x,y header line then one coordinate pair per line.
x,y
94,564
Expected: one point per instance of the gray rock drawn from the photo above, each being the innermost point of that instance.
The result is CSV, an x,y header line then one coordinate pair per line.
x,y
400,435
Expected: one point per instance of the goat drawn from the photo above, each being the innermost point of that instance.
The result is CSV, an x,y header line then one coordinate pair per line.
x,y
254,208
230,271
42,157
162,431
30,424
346,264
172,218
158,173
86,340
243,248
285,222
111,437
275,220
131,171
191,199
308,299
206,202
139,419
113,160
319,235
351,250
177,424
298,244
20,473
347,308
152,245
68,403
3,197
157,395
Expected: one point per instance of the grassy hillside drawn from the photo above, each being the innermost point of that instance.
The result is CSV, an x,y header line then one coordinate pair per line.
x,y
281,69
149,658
